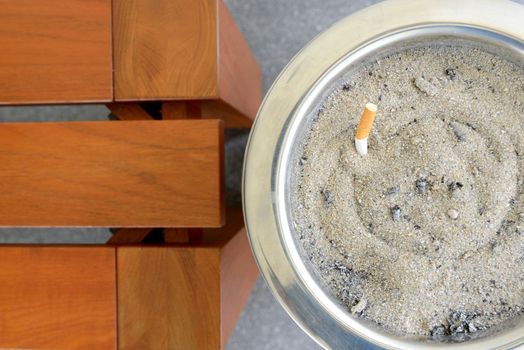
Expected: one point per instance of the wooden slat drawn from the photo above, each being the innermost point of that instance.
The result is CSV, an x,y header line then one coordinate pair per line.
x,y
176,235
240,77
232,118
112,174
55,52
205,109
213,276
238,270
168,298
206,58
57,298
174,110
165,49
238,273
181,110
183,235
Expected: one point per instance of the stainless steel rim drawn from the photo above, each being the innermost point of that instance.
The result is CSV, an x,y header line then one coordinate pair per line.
x,y
266,170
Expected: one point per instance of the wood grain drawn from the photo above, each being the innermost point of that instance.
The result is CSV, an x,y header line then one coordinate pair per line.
x,y
54,52
168,298
238,270
176,235
238,273
206,58
240,77
212,276
232,118
165,49
57,298
112,174
205,109
182,235
181,110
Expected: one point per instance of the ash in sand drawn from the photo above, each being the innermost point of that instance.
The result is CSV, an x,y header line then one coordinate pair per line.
x,y
423,235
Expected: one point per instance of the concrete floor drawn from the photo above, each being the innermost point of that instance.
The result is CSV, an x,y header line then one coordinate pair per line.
x,y
275,30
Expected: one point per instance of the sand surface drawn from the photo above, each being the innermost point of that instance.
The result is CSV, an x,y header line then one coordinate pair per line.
x,y
425,234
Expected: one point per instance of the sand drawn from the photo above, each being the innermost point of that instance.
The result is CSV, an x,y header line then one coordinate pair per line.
x,y
424,235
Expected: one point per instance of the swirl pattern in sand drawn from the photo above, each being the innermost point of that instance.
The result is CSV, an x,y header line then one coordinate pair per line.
x,y
425,234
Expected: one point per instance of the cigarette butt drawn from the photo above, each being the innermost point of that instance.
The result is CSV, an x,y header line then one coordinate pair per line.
x,y
364,128
366,121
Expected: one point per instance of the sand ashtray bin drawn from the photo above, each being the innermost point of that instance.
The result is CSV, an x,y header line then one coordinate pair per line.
x,y
383,187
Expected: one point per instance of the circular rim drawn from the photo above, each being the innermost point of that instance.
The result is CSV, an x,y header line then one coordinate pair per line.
x,y
260,181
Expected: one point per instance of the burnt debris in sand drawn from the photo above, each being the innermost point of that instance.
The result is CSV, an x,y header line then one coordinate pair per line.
x,y
432,217
459,326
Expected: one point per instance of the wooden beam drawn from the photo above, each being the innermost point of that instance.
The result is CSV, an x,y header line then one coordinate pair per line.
x,y
128,111
172,110
57,298
150,67
238,271
176,110
239,78
164,292
182,235
238,274
55,53
112,174
205,109
167,298
206,57
232,118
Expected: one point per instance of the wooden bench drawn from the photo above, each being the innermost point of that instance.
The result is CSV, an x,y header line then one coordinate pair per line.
x,y
127,297
112,174
173,73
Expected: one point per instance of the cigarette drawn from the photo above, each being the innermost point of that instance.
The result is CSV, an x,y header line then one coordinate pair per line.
x,y
364,128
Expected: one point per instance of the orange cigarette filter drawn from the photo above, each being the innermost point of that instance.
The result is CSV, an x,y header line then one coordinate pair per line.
x,y
366,121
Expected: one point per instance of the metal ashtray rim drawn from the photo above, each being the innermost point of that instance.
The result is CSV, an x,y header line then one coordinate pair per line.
x,y
266,169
